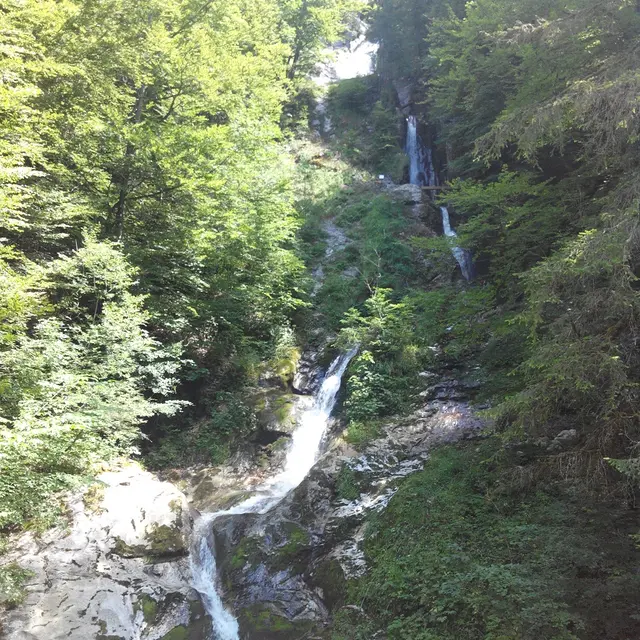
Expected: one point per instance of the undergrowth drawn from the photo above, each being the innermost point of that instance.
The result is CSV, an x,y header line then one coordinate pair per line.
x,y
458,555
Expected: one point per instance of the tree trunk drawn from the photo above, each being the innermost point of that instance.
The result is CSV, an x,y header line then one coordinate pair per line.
x,y
130,152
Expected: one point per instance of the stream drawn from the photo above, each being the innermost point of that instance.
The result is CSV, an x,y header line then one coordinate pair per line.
x,y
303,452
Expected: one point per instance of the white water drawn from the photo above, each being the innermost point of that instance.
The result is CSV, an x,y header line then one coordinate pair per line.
x,y
351,58
301,456
462,257
421,170
423,173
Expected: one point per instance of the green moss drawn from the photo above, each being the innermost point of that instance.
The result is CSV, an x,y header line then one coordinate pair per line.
x,y
275,409
196,609
283,408
329,577
293,554
102,635
177,633
92,498
162,541
166,541
148,606
258,619
121,548
285,366
243,552
298,537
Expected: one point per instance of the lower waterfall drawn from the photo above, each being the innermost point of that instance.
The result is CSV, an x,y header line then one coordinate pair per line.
x,y
302,454
462,256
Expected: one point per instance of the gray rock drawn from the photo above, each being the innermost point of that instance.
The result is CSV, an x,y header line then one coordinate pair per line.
x,y
118,571
404,91
563,441
289,566
406,193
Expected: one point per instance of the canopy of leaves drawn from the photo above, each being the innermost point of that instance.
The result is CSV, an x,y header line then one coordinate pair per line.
x,y
147,211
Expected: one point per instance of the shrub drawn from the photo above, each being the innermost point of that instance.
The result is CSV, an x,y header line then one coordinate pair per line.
x,y
456,555
75,394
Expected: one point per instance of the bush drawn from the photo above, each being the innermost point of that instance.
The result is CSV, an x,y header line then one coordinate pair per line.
x,y
209,440
75,393
12,579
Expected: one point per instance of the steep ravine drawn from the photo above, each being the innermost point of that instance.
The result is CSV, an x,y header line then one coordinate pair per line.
x,y
285,571
251,551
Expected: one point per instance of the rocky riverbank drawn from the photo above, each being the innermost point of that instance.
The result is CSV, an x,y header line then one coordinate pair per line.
x,y
120,570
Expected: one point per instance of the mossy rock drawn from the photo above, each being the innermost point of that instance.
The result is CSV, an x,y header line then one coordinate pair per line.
x,y
330,577
199,626
262,622
276,410
293,552
149,608
155,616
102,635
246,553
161,542
121,548
177,633
166,541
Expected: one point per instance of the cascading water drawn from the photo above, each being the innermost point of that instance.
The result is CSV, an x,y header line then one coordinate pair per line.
x,y
423,173
462,256
302,454
421,170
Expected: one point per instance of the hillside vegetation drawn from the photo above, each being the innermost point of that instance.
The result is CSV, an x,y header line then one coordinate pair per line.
x,y
163,205
531,108
148,264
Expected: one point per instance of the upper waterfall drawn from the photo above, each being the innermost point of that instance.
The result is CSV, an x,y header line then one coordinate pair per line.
x,y
422,172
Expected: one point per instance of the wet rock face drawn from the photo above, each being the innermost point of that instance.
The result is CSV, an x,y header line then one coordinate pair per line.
x,y
285,572
121,571
308,377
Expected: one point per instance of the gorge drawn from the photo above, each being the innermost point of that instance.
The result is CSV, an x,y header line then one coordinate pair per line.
x,y
319,320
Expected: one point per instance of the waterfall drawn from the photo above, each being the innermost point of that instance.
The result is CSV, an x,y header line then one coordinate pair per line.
x,y
462,256
422,172
302,454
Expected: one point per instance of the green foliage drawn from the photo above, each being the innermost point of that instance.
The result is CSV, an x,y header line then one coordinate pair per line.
x,y
511,223
454,556
383,373
12,580
361,433
581,311
146,200
346,483
366,126
20,302
229,419
534,104
76,389
311,25
401,27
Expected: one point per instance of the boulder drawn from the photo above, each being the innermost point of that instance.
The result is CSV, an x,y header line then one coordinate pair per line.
x,y
563,441
119,571
406,193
